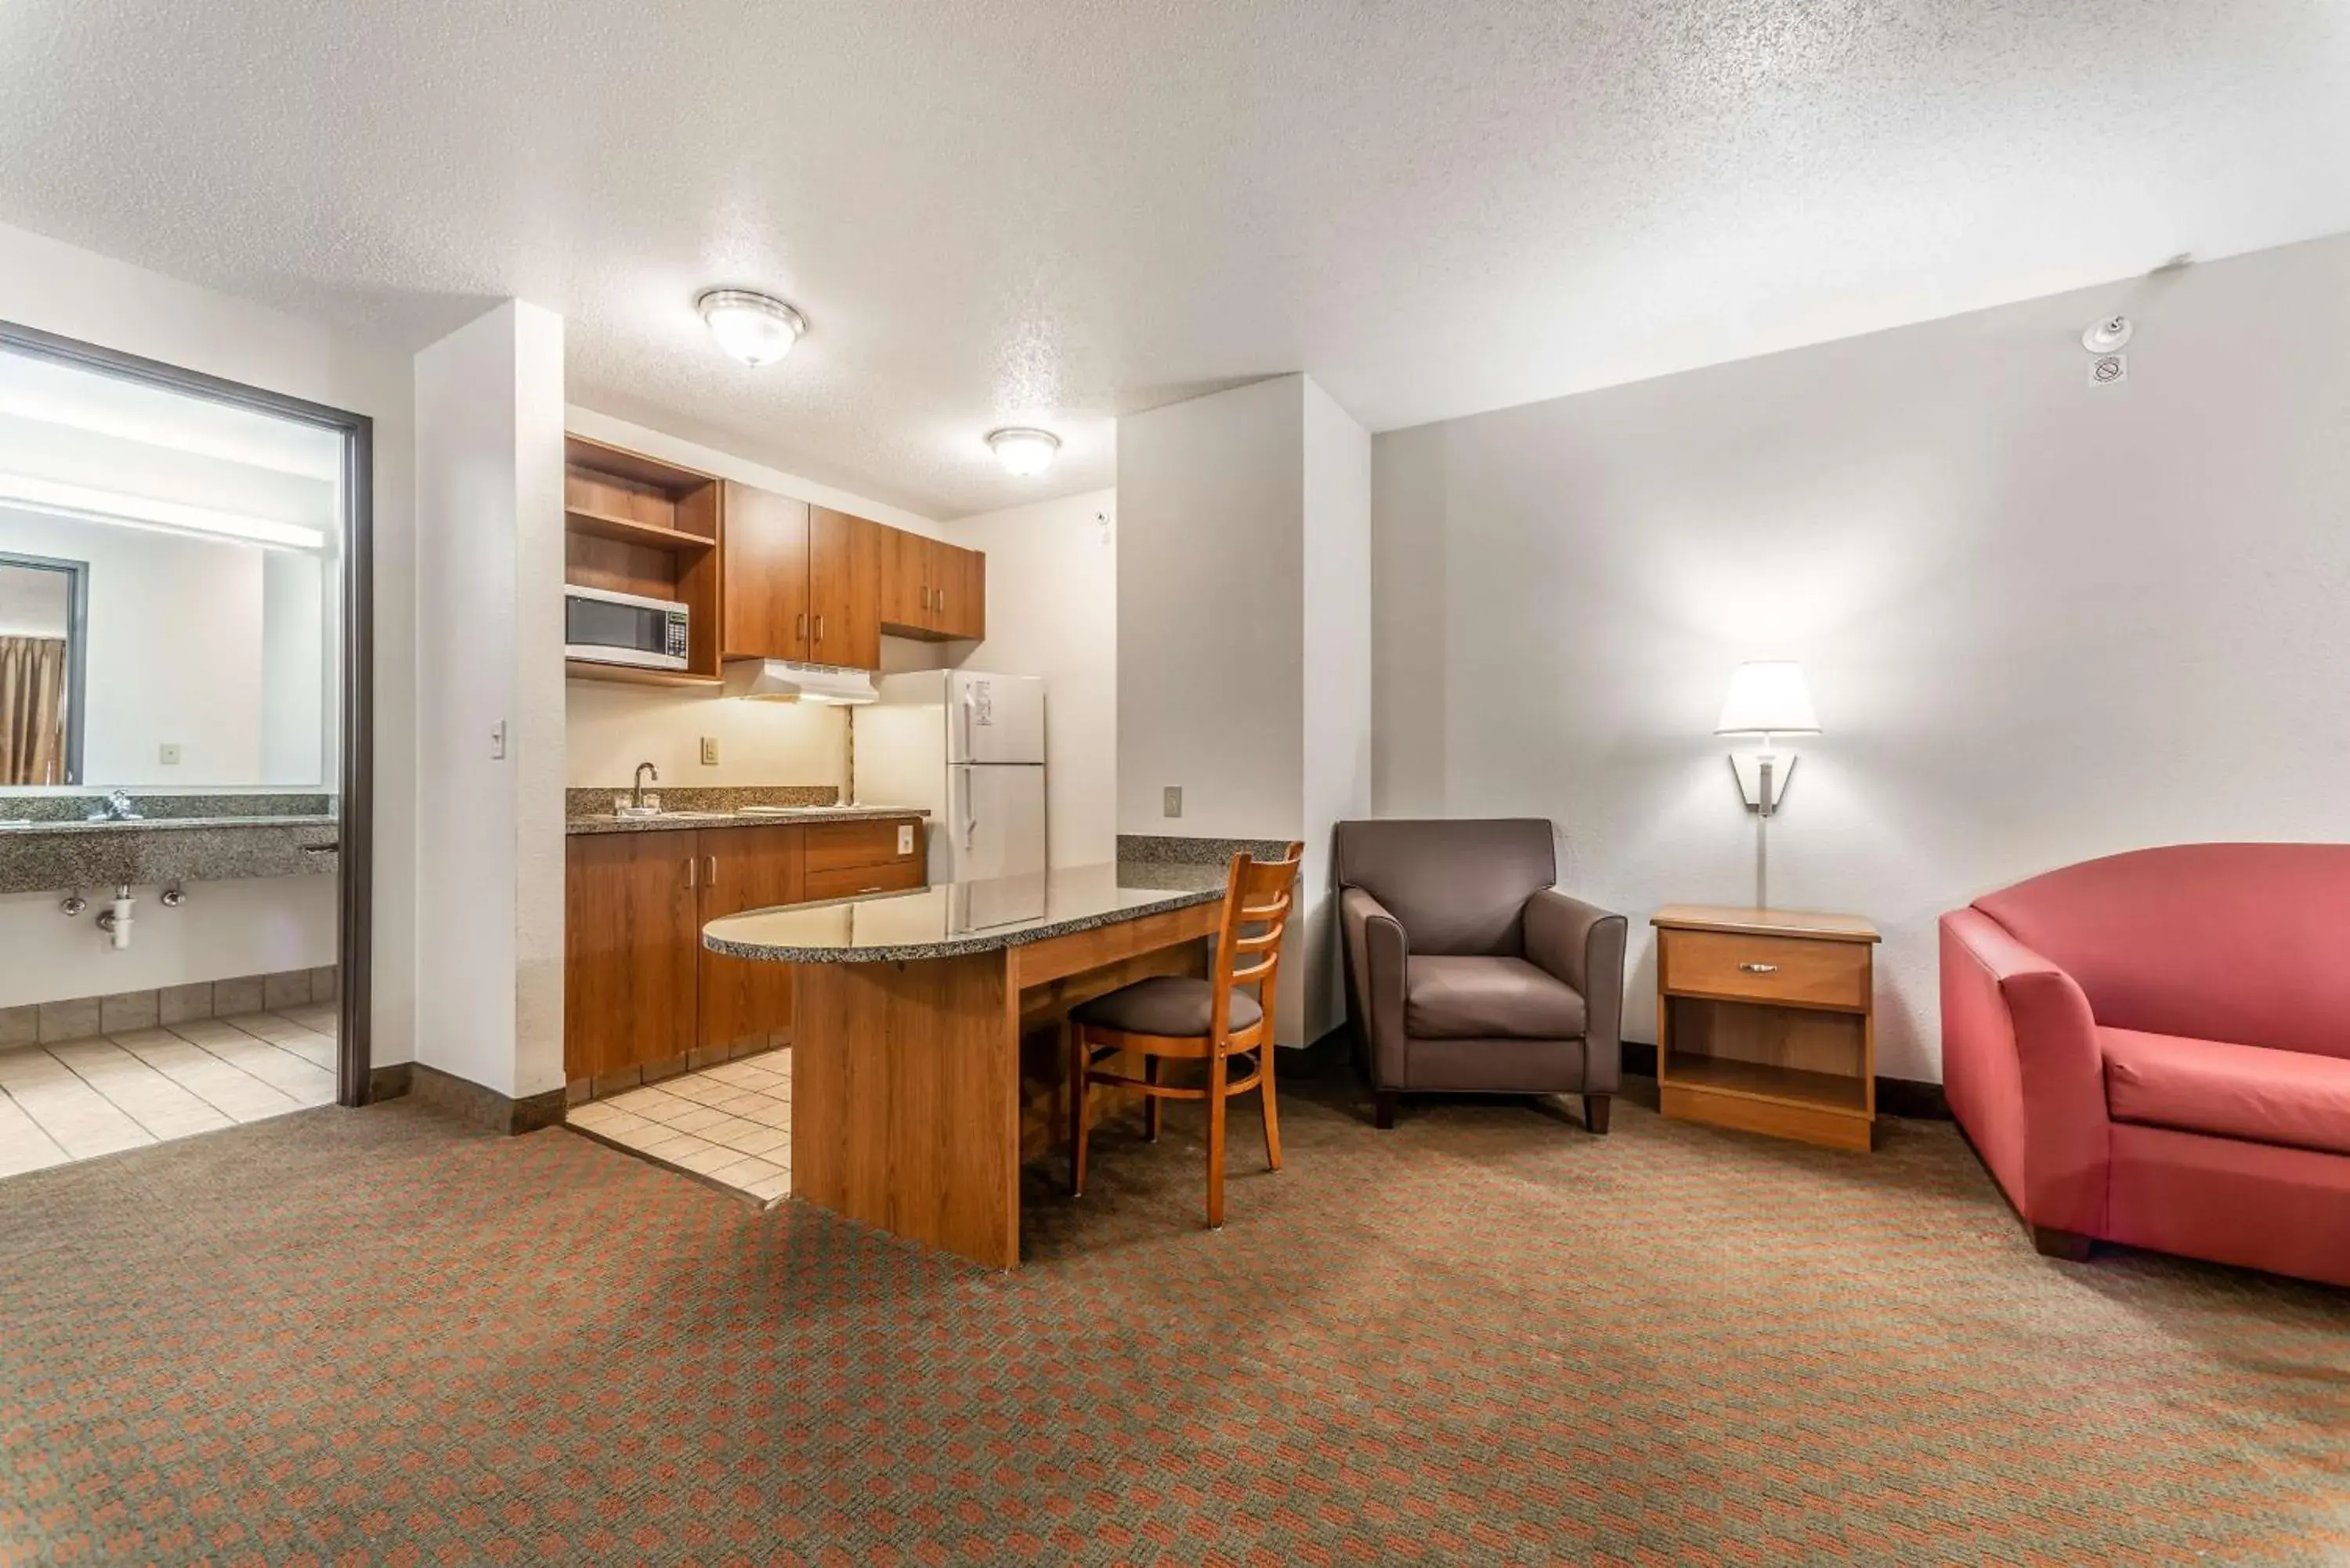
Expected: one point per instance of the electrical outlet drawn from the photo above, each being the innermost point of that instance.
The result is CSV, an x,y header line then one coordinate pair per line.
x,y
709,750
1173,803
905,838
168,755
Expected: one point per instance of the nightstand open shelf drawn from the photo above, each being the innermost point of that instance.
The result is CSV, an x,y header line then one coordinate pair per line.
x,y
1764,1022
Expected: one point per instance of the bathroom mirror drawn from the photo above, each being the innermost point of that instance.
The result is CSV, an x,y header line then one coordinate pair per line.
x,y
170,596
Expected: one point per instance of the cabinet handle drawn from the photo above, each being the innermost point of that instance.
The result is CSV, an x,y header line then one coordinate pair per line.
x,y
941,604
799,624
819,628
1759,967
712,880
693,872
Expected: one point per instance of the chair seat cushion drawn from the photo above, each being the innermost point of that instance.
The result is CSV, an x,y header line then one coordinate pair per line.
x,y
2292,1098
1165,1005
1460,998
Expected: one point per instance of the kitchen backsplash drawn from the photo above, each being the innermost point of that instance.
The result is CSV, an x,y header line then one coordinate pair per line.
x,y
702,797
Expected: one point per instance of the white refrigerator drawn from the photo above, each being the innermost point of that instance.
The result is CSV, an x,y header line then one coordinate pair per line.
x,y
969,748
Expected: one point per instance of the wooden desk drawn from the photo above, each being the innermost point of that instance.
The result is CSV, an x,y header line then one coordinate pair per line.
x,y
1765,1021
908,1110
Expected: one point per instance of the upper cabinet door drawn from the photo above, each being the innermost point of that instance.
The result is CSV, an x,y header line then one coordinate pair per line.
x,y
767,609
843,590
905,581
959,598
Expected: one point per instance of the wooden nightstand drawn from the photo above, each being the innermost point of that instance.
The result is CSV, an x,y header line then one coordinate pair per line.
x,y
1765,1021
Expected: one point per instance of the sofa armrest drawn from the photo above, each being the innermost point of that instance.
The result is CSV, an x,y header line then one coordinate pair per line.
x,y
1376,951
1583,945
2024,1074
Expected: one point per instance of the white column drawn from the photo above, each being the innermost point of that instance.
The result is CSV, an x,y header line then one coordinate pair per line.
x,y
489,702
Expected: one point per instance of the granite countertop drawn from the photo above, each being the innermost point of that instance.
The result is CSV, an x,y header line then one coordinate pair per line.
x,y
738,819
956,919
23,828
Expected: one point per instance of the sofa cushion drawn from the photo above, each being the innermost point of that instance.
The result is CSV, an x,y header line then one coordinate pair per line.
x,y
2249,1092
1166,1005
1473,998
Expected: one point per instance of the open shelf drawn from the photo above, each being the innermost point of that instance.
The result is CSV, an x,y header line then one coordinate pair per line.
x,y
628,530
635,524
1762,1081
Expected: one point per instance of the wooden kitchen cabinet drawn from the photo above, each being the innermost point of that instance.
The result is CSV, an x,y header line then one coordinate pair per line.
x,y
640,990
767,565
932,590
843,590
746,869
632,930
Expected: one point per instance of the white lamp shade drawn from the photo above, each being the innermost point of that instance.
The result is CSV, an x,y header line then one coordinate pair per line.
x,y
1767,696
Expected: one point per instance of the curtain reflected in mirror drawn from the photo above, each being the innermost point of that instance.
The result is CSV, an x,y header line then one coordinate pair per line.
x,y
40,623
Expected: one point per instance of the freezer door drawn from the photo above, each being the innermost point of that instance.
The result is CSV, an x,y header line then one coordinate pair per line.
x,y
997,824
996,718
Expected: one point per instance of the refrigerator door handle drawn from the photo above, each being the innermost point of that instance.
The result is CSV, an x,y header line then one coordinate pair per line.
x,y
970,822
966,728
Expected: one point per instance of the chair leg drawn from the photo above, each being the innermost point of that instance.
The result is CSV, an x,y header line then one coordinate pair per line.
x,y
1215,1142
1272,1111
1077,1110
1595,1112
1383,1109
1151,1104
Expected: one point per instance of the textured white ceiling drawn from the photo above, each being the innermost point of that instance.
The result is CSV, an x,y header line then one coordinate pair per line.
x,y
1041,210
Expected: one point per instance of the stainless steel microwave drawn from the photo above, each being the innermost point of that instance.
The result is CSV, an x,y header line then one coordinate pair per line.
x,y
607,627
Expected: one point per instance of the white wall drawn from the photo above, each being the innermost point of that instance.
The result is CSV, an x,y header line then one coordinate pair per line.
x,y
2043,621
489,513
1336,739
613,727
298,661
78,294
1051,610
255,925
1211,581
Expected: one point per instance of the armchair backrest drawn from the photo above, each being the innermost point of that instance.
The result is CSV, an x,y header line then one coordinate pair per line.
x,y
1460,889
2248,943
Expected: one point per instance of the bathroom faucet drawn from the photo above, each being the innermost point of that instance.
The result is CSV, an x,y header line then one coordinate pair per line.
x,y
637,795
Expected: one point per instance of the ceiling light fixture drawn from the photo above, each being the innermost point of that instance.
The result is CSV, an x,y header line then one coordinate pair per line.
x,y
756,328
1023,451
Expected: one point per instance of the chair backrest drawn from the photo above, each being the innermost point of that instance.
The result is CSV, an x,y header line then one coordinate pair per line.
x,y
1459,888
1259,896
2248,943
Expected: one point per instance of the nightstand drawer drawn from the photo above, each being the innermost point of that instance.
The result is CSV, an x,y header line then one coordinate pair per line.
x,y
1764,969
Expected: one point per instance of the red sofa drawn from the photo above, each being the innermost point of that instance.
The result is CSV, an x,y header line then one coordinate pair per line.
x,y
2153,1049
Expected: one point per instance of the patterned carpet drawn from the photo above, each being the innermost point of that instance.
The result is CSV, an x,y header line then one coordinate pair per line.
x,y
1486,1337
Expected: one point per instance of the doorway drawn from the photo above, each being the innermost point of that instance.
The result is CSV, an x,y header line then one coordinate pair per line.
x,y
186,708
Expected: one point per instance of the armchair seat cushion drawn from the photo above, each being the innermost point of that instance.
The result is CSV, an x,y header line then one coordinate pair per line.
x,y
2296,1098
1458,998
1166,1005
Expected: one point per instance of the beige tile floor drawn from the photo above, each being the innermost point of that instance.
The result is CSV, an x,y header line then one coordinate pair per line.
x,y
89,1097
732,1124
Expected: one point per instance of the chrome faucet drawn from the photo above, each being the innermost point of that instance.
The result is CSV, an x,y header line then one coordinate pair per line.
x,y
637,793
116,808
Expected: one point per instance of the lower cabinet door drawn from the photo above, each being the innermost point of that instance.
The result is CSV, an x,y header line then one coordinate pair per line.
x,y
631,937
746,869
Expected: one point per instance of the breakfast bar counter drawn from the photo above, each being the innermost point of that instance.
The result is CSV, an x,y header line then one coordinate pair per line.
x,y
908,1107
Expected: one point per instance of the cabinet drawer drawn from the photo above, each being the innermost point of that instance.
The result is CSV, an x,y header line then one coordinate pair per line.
x,y
1765,968
845,846
848,882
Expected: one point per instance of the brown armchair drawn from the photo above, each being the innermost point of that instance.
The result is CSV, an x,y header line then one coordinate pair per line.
x,y
1466,971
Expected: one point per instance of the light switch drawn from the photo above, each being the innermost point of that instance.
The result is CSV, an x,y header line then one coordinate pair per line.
x,y
1174,801
498,741
168,755
905,838
709,750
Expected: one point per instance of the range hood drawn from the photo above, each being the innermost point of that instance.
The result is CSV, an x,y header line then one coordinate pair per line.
x,y
781,681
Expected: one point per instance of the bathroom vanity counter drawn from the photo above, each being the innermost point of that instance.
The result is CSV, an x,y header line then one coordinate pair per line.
x,y
52,856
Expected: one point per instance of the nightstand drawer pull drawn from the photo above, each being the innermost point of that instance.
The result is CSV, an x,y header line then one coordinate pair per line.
x,y
1759,967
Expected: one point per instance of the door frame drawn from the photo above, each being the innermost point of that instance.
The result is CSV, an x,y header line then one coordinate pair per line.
x,y
356,830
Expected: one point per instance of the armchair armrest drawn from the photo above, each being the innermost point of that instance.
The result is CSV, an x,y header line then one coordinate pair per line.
x,y
1376,951
1583,945
2024,1073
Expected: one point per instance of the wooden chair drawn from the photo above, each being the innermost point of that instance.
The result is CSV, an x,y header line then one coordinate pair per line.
x,y
1170,1017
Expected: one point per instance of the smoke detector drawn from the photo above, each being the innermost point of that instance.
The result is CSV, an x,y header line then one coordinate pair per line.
x,y
2108,336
